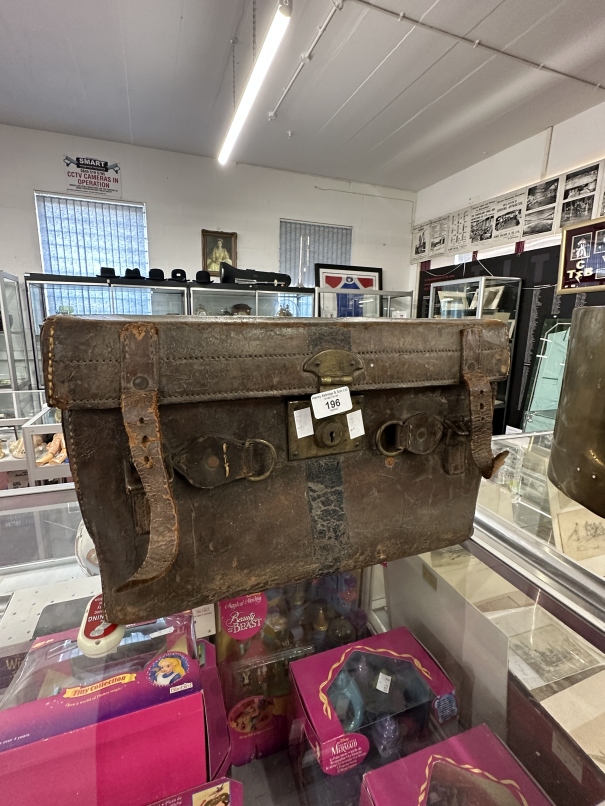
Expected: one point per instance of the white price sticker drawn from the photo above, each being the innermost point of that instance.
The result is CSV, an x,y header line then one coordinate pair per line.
x,y
355,423
334,401
384,682
303,422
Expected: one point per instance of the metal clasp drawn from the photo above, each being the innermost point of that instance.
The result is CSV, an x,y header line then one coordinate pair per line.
x,y
333,368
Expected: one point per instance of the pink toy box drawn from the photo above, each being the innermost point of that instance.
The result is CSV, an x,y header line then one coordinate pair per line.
x,y
126,727
222,792
471,768
218,744
376,696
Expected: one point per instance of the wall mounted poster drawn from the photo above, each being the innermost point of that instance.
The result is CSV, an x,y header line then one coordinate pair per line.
x,y
438,237
582,261
459,234
91,175
420,242
579,195
540,208
509,216
482,222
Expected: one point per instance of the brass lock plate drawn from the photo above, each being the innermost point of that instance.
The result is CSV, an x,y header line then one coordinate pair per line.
x,y
331,434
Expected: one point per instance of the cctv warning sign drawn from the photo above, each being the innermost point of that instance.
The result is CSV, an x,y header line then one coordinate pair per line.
x,y
88,175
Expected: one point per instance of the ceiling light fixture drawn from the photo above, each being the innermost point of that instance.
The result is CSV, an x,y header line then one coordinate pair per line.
x,y
257,76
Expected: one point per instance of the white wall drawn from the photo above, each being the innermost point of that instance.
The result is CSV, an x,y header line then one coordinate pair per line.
x,y
185,194
574,142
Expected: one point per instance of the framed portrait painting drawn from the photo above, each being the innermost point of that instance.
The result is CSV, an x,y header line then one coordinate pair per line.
x,y
348,279
217,248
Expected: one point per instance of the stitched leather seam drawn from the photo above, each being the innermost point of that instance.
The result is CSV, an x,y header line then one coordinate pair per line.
x,y
51,344
237,395
173,360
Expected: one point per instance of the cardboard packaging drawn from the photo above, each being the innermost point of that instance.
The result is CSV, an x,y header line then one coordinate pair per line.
x,y
218,742
260,635
125,727
377,695
222,792
473,767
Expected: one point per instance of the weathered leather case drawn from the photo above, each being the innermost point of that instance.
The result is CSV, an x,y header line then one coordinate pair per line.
x,y
191,475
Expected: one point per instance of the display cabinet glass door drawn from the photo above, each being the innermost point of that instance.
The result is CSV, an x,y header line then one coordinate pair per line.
x,y
15,370
333,303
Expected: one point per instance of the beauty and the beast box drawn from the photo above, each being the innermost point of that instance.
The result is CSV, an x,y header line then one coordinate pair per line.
x,y
375,697
260,635
222,792
123,727
471,769
218,457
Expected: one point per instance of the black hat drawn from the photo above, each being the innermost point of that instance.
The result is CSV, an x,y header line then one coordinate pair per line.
x,y
156,274
180,275
107,271
203,277
133,274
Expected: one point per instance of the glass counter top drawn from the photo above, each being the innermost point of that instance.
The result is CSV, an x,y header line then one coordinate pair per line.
x,y
522,494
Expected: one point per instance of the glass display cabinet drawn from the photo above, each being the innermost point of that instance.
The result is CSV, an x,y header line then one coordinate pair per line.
x,y
16,408
481,298
547,376
334,303
50,294
477,298
15,369
44,443
230,299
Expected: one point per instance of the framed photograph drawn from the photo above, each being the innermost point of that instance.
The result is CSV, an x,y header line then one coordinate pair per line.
x,y
353,278
582,261
218,247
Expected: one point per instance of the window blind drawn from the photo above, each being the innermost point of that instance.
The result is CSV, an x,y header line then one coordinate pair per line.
x,y
77,237
302,245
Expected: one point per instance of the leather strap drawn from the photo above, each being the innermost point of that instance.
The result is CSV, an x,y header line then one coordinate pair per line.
x,y
140,382
481,401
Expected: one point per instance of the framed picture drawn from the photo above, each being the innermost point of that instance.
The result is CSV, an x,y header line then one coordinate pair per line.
x,y
582,261
353,278
218,247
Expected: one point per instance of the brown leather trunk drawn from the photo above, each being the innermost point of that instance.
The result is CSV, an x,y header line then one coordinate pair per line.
x,y
194,484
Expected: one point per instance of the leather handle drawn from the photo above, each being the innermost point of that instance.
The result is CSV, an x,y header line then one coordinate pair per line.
x,y
481,402
139,402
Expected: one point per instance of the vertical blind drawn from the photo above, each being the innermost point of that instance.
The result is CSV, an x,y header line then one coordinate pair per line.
x,y
320,243
77,237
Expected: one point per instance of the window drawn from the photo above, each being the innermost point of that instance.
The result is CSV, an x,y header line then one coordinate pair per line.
x,y
302,245
78,236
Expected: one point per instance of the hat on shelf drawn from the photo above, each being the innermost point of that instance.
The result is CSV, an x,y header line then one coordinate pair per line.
x,y
203,277
133,274
107,271
180,275
156,274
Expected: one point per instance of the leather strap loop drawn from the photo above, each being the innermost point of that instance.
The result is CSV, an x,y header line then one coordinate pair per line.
x,y
212,461
481,403
140,382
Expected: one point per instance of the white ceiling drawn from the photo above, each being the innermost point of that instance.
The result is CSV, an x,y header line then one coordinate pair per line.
x,y
381,101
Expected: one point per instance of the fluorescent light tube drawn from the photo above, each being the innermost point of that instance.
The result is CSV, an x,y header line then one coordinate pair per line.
x,y
257,76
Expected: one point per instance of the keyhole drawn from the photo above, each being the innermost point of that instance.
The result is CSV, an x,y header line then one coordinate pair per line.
x,y
332,437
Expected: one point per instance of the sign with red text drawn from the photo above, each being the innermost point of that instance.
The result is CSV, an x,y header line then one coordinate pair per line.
x,y
86,175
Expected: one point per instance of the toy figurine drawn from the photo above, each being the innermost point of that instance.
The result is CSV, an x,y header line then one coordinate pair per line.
x,y
386,735
347,701
320,627
340,632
